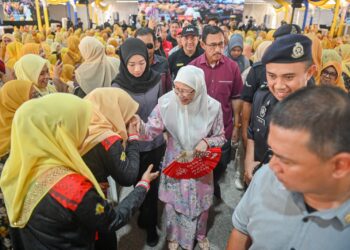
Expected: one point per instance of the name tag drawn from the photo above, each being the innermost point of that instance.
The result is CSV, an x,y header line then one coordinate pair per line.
x,y
225,81
180,64
261,120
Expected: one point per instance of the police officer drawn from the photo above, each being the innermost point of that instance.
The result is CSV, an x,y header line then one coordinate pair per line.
x,y
257,77
289,66
190,50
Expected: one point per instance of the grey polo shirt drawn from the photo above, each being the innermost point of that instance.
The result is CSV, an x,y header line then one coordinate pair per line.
x,y
276,218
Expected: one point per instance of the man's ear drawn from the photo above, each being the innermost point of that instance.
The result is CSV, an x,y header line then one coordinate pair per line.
x,y
202,44
341,165
311,70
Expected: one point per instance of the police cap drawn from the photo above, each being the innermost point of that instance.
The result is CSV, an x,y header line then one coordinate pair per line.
x,y
289,49
287,29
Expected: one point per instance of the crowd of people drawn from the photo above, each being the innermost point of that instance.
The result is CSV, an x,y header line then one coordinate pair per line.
x,y
82,111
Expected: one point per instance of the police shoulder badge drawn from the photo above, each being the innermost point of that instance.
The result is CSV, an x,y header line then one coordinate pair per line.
x,y
262,111
298,50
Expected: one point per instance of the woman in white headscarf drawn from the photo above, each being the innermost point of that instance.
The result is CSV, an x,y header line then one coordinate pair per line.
x,y
97,70
193,122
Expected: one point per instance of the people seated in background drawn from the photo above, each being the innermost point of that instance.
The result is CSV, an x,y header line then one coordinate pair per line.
x,y
303,192
52,198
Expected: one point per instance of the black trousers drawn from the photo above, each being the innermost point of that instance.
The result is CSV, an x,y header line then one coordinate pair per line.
x,y
148,210
222,165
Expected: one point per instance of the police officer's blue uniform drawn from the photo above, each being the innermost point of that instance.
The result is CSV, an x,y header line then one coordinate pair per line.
x,y
287,49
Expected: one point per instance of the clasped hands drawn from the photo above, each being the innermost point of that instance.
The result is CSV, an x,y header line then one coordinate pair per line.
x,y
133,126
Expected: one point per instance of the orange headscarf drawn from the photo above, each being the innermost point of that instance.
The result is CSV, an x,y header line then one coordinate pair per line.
x,y
12,95
339,82
31,48
316,52
13,54
3,46
112,110
73,55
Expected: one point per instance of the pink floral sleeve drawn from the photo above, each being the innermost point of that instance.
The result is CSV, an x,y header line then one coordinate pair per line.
x,y
216,137
153,127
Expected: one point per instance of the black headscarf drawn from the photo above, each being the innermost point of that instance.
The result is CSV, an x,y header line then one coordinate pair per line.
x,y
149,78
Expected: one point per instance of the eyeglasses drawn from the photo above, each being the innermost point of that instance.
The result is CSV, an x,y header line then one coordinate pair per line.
x,y
214,45
149,45
183,92
329,74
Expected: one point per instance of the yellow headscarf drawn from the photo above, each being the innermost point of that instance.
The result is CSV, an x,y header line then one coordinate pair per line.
x,y
262,34
3,46
67,73
269,35
29,67
326,43
31,48
73,55
17,35
12,95
261,50
41,158
339,82
257,43
77,32
113,42
316,52
63,52
13,54
110,51
28,38
330,55
113,108
344,51
47,49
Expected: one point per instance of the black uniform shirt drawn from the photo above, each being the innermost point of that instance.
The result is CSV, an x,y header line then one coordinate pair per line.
x,y
179,59
258,129
255,78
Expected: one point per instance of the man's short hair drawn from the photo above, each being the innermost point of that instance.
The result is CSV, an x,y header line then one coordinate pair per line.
x,y
216,20
213,30
144,32
174,21
323,112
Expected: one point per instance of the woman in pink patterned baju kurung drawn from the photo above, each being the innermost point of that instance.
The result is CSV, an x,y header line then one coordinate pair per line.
x,y
193,122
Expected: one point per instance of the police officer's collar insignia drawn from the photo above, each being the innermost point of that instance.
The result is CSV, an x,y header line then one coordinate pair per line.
x,y
262,111
298,50
347,218
294,30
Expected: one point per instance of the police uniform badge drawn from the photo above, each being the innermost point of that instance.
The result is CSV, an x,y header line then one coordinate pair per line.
x,y
298,50
294,30
262,111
